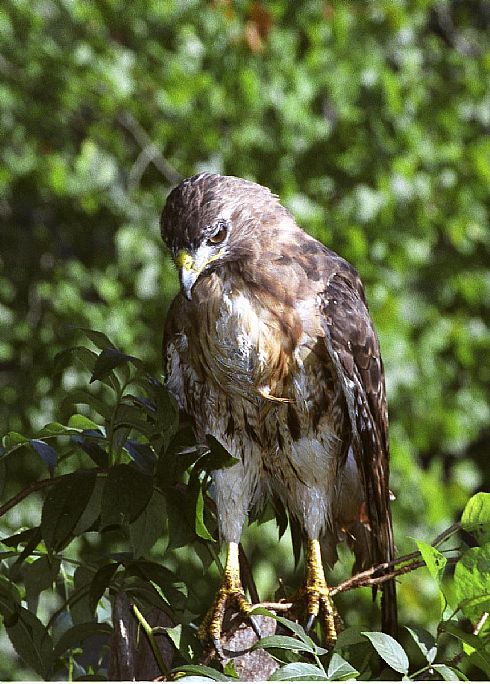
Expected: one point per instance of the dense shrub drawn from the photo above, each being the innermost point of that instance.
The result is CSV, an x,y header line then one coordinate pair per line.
x,y
367,118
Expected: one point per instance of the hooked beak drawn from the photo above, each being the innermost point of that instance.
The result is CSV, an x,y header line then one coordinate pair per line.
x,y
192,265
188,273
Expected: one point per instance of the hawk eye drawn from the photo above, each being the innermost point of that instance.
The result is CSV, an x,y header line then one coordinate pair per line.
x,y
220,234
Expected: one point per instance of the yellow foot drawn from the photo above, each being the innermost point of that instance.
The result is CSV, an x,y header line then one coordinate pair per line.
x,y
316,595
230,594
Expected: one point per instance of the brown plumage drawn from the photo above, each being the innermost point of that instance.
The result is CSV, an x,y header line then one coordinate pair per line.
x,y
270,348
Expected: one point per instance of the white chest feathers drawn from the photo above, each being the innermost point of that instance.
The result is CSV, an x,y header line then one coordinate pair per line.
x,y
241,337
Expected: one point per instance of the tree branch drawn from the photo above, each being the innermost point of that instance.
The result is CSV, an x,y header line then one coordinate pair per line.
x,y
149,152
36,486
376,575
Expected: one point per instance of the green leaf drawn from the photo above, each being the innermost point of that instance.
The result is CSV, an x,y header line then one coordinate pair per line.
x,y
181,453
474,646
286,642
433,559
65,357
15,539
57,429
472,582
455,630
38,576
108,359
77,634
12,439
425,641
3,477
31,640
64,506
293,626
229,670
9,598
89,441
435,563
203,670
46,452
390,650
100,582
150,570
180,511
98,338
449,674
201,529
127,492
142,454
81,396
80,609
349,637
167,418
298,672
32,541
476,517
82,422
479,659
130,416
184,640
218,457
92,509
339,669
153,595
148,526
86,357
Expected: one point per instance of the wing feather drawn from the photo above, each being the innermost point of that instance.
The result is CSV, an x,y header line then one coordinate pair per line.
x,y
354,349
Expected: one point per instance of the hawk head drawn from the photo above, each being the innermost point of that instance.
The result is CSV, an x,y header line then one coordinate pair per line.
x,y
209,220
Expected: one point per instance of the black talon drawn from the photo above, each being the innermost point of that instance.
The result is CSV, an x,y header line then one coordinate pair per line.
x,y
218,648
309,622
255,626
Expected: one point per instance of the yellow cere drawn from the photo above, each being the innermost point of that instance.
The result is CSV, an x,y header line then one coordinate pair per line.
x,y
184,260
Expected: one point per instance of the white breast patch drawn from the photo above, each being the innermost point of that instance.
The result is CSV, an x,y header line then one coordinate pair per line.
x,y
239,336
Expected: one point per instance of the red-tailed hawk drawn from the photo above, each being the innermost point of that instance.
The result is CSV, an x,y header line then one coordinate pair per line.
x,y
270,348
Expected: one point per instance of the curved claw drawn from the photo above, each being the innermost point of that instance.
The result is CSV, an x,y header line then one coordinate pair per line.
x,y
211,626
217,647
309,622
255,626
230,593
317,595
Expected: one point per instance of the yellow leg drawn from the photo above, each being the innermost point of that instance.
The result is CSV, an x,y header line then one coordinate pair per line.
x,y
230,592
318,601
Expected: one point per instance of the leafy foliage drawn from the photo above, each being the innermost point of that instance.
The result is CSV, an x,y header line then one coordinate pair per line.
x,y
107,481
119,479
369,121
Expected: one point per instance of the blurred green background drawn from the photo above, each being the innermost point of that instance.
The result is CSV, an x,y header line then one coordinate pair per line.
x,y
369,119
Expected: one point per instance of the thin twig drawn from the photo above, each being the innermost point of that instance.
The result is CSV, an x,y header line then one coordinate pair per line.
x,y
275,606
437,541
365,578
36,486
149,152
446,534
151,638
